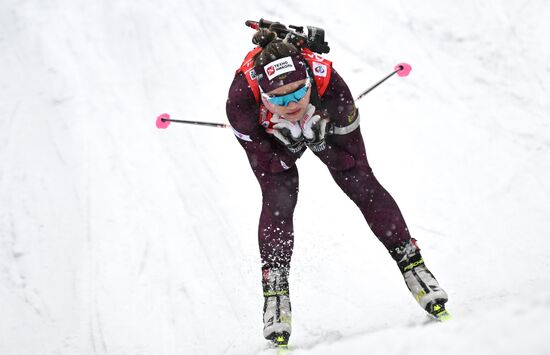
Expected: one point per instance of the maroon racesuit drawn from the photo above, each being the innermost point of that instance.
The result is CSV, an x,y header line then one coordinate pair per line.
x,y
276,171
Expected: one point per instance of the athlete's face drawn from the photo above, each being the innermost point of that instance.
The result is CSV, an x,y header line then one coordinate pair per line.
x,y
294,111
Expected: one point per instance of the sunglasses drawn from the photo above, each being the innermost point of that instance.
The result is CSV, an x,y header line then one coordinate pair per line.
x,y
285,100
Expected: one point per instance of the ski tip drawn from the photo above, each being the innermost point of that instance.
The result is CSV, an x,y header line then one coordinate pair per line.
x,y
283,350
444,316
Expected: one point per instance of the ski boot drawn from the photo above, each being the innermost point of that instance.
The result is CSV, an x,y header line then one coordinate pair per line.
x,y
277,309
420,281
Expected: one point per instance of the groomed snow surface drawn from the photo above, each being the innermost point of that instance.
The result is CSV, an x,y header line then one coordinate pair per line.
x,y
119,238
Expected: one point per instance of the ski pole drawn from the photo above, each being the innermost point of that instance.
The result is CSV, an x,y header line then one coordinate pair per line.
x,y
164,120
401,69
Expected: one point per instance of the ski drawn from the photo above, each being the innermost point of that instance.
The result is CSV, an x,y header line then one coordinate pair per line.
x,y
279,341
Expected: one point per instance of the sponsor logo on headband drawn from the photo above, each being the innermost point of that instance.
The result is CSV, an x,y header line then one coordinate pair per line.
x,y
278,67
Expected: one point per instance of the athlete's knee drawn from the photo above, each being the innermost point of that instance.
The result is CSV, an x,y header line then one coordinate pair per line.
x,y
280,204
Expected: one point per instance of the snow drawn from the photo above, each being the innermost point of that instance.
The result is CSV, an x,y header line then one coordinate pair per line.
x,y
119,238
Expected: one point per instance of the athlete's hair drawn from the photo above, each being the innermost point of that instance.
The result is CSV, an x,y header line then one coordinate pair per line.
x,y
273,48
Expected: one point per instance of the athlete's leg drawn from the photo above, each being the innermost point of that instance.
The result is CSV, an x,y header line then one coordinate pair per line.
x,y
377,205
276,239
276,229
387,223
